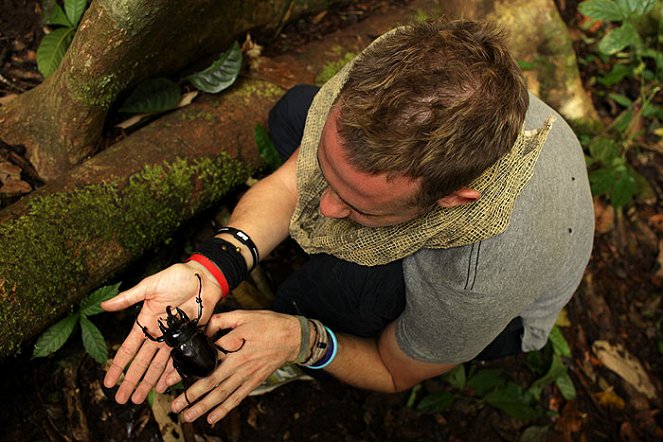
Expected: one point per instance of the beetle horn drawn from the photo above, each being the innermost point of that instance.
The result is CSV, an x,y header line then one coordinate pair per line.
x,y
162,327
183,315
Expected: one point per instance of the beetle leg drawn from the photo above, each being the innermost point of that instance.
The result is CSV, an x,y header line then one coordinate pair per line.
x,y
199,300
225,352
147,333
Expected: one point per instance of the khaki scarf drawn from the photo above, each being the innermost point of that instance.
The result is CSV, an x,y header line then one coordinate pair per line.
x,y
440,228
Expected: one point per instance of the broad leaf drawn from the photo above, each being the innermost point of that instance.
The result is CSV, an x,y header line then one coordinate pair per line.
x,y
620,99
152,95
625,187
619,38
602,10
266,147
515,401
603,150
535,434
556,369
639,7
566,387
456,377
435,402
90,305
560,346
55,337
94,341
616,74
52,49
485,380
220,74
56,17
74,10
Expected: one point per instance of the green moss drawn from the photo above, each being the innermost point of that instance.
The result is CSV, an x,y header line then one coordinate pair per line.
x,y
258,88
191,115
332,67
47,252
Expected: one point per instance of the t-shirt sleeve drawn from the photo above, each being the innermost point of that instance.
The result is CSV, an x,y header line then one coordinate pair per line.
x,y
446,320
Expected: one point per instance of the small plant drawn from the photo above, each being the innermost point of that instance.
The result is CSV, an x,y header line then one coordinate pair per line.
x,y
492,387
266,148
630,44
161,94
53,46
93,341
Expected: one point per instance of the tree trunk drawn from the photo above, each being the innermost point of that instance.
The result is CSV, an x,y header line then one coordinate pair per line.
x,y
67,238
117,44
536,34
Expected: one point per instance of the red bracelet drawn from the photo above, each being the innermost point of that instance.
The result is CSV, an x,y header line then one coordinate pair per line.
x,y
214,270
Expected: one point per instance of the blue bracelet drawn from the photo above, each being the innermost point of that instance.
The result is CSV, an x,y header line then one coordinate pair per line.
x,y
331,352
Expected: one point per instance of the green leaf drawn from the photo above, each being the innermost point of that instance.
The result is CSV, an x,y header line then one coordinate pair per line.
x,y
602,10
94,341
52,49
639,7
619,38
90,305
535,434
57,17
527,65
266,147
150,398
456,377
485,380
560,346
625,187
659,344
220,74
556,369
515,401
74,10
55,337
438,401
152,95
603,150
623,120
616,74
566,387
620,99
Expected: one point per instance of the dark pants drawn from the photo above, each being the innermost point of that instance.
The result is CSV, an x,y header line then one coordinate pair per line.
x,y
345,296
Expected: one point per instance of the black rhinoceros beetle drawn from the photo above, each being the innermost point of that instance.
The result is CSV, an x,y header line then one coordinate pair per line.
x,y
194,354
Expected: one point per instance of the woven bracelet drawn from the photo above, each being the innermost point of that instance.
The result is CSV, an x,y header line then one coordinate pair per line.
x,y
305,338
244,239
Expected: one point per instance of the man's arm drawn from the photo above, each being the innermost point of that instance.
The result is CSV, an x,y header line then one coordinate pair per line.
x,y
265,210
380,365
264,214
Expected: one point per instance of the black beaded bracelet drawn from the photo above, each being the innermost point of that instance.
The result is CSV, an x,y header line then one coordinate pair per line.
x,y
227,257
244,239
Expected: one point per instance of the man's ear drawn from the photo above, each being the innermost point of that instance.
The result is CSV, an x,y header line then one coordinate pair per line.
x,y
458,198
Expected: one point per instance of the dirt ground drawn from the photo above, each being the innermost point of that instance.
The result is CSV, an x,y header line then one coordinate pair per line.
x,y
60,398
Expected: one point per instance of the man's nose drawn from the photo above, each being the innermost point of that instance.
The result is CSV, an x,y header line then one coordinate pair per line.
x,y
332,206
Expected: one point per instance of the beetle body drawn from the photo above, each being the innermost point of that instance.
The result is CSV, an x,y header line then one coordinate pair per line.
x,y
194,355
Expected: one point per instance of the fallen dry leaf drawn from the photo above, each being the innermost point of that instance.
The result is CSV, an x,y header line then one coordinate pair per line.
x,y
620,361
656,222
604,215
171,431
609,398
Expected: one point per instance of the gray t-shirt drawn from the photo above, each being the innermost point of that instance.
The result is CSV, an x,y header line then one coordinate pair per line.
x,y
458,300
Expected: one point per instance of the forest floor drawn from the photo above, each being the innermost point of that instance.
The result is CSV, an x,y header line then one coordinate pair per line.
x,y
613,326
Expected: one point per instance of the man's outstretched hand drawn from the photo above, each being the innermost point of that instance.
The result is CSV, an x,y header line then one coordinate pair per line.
x,y
176,286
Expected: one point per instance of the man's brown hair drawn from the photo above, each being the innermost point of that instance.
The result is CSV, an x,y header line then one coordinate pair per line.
x,y
441,101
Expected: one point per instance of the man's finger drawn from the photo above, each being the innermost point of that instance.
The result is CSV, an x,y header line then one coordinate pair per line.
x,y
136,370
169,373
156,368
124,355
126,299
